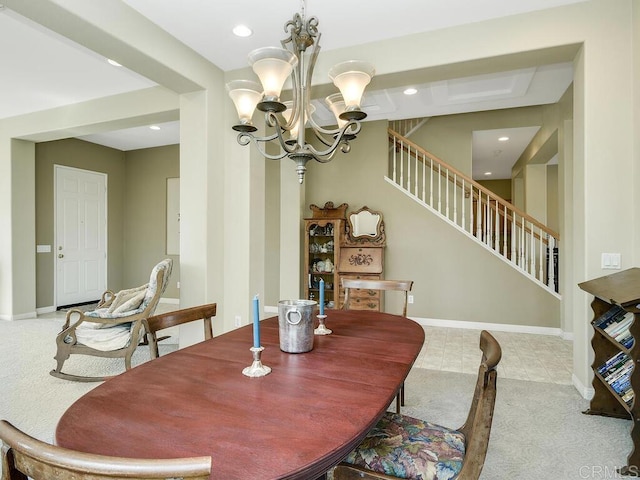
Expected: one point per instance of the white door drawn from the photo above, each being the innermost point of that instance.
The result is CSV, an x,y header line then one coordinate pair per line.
x,y
81,235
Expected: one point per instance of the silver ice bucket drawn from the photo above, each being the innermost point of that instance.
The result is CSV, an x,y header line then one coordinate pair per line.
x,y
295,318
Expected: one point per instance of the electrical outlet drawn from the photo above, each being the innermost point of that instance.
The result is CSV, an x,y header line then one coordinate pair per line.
x,y
238,321
178,284
410,299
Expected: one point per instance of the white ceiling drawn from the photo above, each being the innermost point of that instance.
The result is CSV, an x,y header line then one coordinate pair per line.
x,y
43,70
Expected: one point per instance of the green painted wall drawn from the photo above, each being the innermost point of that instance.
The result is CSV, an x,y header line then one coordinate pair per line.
x,y
136,210
145,213
454,278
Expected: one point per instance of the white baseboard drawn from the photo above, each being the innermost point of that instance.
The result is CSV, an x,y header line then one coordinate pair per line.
x,y
586,392
567,336
498,327
22,316
43,310
173,301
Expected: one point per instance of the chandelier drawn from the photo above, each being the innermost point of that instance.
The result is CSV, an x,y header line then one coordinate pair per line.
x,y
288,120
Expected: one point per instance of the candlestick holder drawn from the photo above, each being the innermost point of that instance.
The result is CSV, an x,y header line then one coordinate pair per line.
x,y
257,369
322,330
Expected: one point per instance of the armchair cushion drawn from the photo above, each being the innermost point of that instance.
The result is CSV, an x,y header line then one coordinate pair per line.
x,y
104,339
127,300
409,448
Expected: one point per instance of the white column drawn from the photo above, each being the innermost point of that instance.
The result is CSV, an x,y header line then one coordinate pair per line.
x,y
17,220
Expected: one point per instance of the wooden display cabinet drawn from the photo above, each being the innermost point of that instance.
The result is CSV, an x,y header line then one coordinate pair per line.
x,y
616,381
323,233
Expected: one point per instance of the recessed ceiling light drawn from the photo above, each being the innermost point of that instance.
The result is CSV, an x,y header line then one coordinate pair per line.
x,y
113,62
503,139
154,127
488,174
242,31
410,91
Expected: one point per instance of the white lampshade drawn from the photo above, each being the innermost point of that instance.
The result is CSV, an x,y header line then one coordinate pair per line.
x,y
272,65
293,133
337,106
245,95
351,78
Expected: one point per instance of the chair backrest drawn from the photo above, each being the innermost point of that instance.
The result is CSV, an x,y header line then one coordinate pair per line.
x,y
24,456
477,427
158,281
178,317
399,285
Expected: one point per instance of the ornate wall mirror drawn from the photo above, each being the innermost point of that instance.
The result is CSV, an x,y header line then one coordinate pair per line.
x,y
365,226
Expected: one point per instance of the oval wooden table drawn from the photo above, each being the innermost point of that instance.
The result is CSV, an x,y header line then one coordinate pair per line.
x,y
295,423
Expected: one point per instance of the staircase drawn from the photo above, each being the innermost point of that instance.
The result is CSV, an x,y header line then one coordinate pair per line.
x,y
509,233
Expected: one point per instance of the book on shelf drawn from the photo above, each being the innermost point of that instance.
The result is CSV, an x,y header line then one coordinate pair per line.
x,y
614,362
613,315
622,372
621,375
616,372
620,325
626,341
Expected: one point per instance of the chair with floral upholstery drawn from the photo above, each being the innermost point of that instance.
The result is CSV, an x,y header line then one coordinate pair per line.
x,y
400,446
115,328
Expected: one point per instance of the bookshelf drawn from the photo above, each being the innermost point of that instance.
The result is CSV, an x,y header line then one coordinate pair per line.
x,y
616,325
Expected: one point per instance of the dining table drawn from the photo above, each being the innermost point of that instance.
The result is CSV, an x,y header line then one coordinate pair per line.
x,y
296,422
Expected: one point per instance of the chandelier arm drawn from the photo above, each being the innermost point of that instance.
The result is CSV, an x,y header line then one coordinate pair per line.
x,y
324,156
326,131
287,149
322,138
246,138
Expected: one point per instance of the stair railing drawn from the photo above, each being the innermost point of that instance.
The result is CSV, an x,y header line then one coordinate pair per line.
x,y
507,231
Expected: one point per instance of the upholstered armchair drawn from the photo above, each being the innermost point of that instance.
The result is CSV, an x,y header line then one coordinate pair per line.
x,y
114,329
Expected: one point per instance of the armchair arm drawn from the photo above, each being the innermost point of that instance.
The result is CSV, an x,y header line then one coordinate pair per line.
x,y
107,298
76,317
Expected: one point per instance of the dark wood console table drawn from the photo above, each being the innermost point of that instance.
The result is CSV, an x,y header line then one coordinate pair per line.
x,y
295,423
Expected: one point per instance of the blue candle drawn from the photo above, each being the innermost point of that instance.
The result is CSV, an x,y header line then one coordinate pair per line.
x,y
256,322
321,296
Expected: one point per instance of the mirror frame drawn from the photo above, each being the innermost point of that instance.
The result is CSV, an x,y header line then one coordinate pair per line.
x,y
378,238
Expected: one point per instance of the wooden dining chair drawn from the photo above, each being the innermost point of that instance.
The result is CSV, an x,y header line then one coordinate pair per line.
x,y
178,317
351,285
400,446
26,457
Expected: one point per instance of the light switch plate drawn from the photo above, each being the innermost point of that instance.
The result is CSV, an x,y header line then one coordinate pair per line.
x,y
610,261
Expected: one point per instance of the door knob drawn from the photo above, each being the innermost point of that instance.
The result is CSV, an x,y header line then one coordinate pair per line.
x,y
60,255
